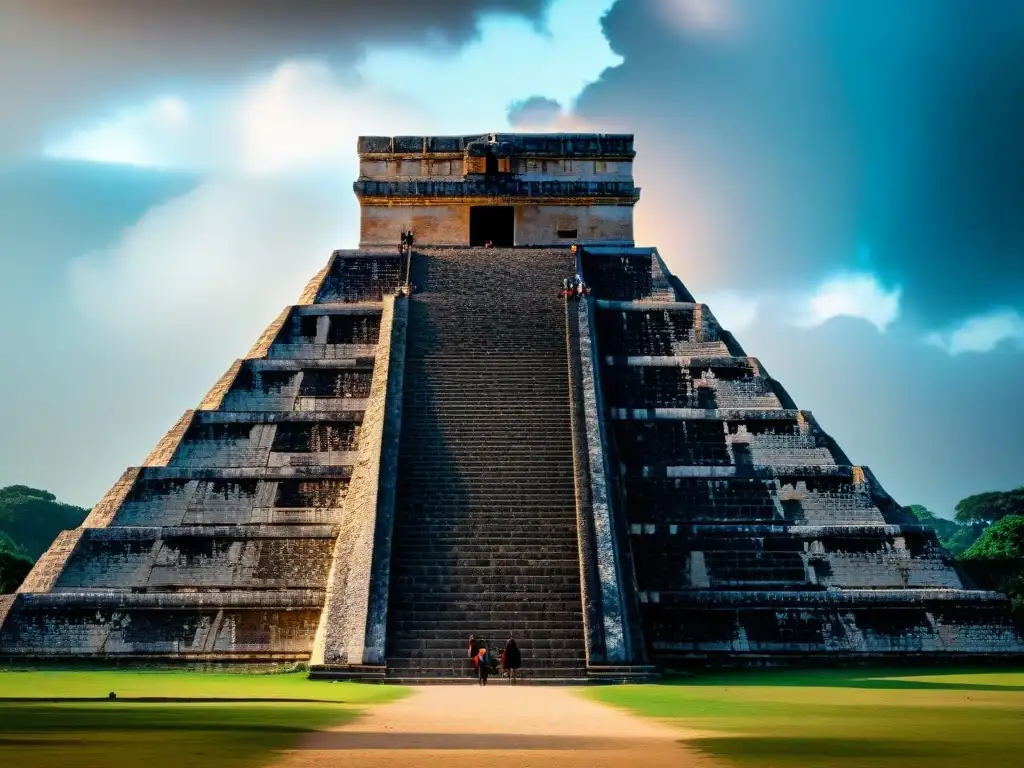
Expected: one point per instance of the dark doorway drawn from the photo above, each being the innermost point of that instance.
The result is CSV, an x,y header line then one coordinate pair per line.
x,y
496,223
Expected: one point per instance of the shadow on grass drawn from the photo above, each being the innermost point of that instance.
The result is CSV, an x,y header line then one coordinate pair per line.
x,y
872,679
800,749
115,716
117,735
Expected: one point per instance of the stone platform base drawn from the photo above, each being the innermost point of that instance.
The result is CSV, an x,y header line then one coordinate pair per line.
x,y
595,676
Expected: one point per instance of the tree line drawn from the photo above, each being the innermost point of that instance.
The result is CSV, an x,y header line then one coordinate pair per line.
x,y
30,520
986,536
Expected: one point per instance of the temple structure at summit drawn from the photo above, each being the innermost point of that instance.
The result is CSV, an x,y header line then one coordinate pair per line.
x,y
510,189
436,443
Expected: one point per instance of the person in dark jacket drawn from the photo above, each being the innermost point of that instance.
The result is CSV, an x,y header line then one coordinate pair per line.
x,y
474,649
483,665
512,661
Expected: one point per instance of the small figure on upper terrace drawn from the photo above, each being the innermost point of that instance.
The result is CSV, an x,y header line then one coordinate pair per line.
x,y
489,244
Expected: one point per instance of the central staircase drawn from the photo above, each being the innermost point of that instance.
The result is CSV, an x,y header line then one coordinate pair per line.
x,y
485,521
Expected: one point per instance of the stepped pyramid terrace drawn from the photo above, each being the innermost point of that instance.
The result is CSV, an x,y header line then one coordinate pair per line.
x,y
436,443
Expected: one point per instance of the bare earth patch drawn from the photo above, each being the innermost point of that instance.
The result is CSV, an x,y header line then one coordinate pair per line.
x,y
523,726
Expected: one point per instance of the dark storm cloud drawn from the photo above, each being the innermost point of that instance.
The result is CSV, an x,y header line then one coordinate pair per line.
x,y
534,111
59,57
802,136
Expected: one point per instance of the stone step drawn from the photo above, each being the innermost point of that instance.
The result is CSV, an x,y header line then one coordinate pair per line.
x,y
520,613
456,639
439,649
485,523
512,598
453,549
568,661
439,567
483,627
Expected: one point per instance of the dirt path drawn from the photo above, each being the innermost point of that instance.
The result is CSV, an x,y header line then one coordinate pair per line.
x,y
526,727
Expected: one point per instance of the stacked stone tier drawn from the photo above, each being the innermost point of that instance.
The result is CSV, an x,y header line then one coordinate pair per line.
x,y
220,545
750,530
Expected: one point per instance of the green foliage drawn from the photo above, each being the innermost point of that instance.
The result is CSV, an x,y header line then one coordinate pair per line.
x,y
964,537
33,517
987,508
996,560
1003,540
955,537
943,527
14,564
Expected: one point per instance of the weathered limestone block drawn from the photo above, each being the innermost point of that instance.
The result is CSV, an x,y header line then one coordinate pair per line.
x,y
754,392
563,224
234,556
282,399
339,404
162,455
615,637
215,397
346,633
260,632
156,502
117,623
886,569
313,287
263,344
101,563
48,568
626,274
432,224
364,276
6,604
814,501
281,563
101,515
302,351
976,638
767,450
661,287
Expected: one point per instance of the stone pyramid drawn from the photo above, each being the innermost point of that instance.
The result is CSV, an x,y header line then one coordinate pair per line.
x,y
433,442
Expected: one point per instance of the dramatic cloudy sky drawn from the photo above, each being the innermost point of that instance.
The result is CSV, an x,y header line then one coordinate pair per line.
x,y
842,181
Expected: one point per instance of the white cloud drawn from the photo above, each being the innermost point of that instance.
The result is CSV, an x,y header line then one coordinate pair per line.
x,y
734,311
211,267
981,333
158,134
305,115
858,295
707,16
279,157
302,116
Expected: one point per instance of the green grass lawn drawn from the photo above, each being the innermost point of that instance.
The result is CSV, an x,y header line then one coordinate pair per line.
x,y
844,718
111,734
